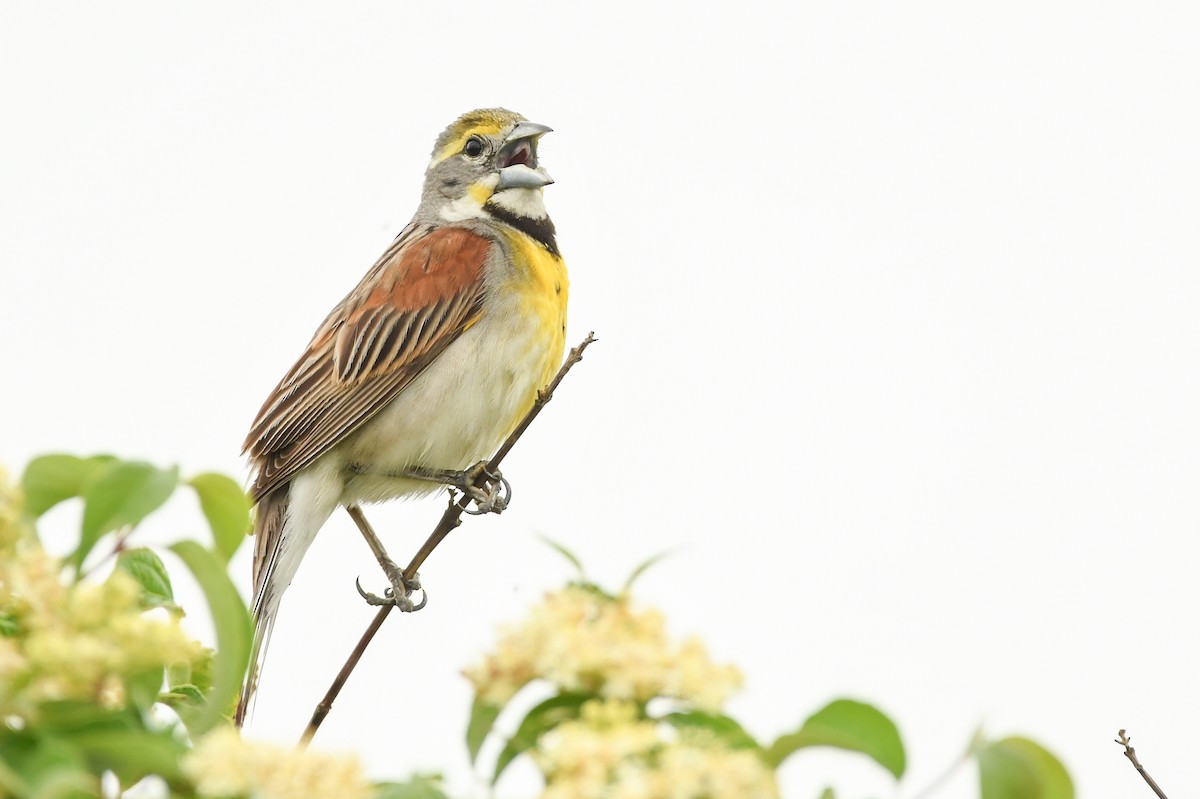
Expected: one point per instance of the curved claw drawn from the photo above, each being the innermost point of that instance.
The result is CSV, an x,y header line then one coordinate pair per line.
x,y
403,604
374,600
506,495
496,499
413,583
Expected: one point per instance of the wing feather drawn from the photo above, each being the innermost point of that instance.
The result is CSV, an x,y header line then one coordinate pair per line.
x,y
417,299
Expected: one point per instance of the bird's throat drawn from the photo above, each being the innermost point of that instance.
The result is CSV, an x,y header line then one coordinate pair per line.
x,y
516,213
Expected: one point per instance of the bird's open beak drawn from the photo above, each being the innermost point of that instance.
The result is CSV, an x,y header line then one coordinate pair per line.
x,y
517,160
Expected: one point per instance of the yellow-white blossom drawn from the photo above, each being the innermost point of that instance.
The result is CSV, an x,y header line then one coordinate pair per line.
x,y
73,640
611,753
582,640
588,752
695,677
687,771
223,765
11,528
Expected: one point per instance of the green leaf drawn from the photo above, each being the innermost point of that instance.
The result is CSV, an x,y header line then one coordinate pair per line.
x,y
184,695
126,493
1018,768
73,738
148,570
540,720
50,479
419,786
115,740
132,754
198,673
227,508
566,553
11,783
108,739
143,687
641,569
232,623
9,626
66,717
827,794
850,725
67,783
595,590
43,765
725,729
483,717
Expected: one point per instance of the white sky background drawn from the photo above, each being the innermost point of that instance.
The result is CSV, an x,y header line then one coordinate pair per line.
x,y
898,318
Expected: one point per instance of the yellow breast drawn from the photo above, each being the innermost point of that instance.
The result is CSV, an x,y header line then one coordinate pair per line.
x,y
465,403
541,285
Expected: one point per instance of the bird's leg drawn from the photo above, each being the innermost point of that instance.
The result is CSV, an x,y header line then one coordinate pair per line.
x,y
492,498
401,586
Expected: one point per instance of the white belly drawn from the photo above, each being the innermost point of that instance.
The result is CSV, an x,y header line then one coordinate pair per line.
x,y
454,414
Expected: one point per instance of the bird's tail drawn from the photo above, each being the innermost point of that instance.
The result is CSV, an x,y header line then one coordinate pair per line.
x,y
268,538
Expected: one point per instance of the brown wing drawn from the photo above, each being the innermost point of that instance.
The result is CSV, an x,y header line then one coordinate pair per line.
x,y
417,299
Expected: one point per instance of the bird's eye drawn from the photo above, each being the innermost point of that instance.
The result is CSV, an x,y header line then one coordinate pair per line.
x,y
473,147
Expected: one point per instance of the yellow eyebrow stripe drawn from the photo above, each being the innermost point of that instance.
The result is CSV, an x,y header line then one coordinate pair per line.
x,y
491,128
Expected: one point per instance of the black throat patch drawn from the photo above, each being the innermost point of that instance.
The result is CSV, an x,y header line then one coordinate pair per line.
x,y
540,230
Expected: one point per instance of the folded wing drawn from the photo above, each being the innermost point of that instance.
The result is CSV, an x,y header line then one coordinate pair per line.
x,y
417,299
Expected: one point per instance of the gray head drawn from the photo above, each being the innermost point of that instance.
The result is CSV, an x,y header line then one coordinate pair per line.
x,y
485,164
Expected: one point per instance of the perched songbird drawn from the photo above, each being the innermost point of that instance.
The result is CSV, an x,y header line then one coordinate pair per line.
x,y
427,365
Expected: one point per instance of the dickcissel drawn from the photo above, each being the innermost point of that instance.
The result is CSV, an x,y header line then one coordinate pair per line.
x,y
427,365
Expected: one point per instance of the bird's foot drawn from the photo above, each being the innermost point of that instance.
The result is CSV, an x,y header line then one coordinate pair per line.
x,y
493,497
397,593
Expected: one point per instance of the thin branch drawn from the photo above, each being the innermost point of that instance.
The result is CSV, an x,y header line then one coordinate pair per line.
x,y
543,397
940,781
326,703
451,518
1124,741
117,548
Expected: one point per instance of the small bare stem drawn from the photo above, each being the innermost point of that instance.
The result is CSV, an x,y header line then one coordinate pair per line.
x,y
117,548
1124,741
326,703
451,518
944,777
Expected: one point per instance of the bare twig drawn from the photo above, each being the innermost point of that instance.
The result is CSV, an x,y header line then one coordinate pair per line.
x,y
326,703
117,548
1124,741
451,518
943,778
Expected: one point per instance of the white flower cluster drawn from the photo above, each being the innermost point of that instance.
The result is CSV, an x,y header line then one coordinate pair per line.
x,y
223,765
72,640
12,528
582,640
611,753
